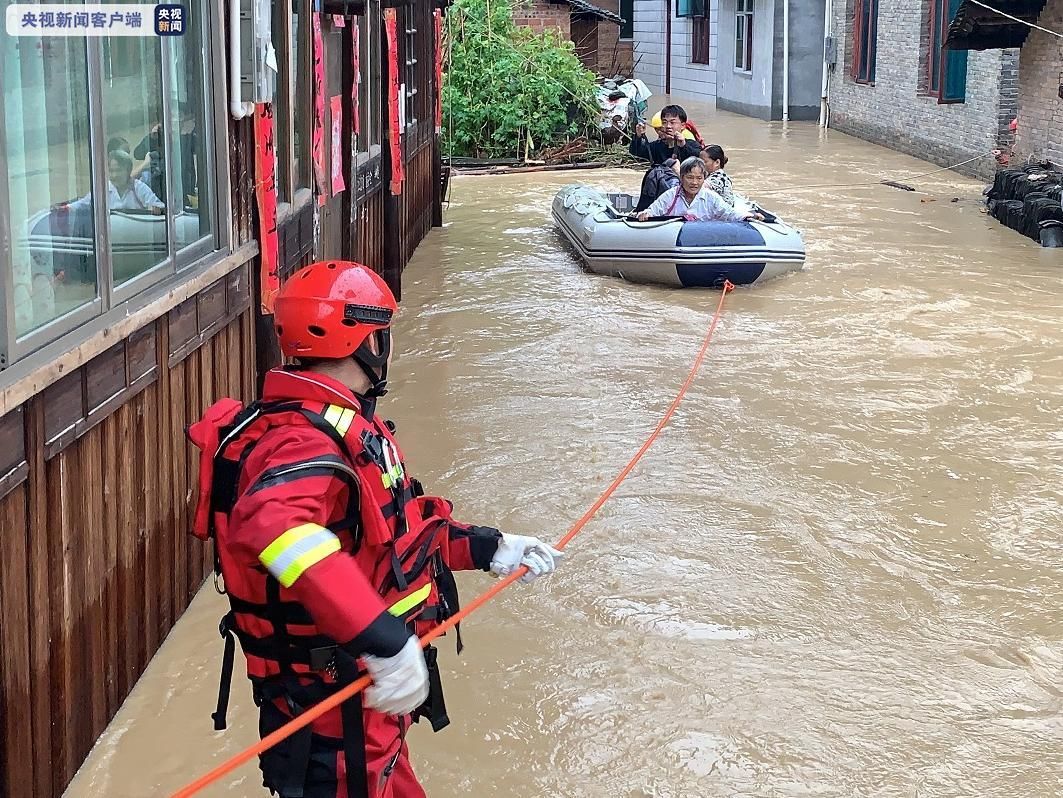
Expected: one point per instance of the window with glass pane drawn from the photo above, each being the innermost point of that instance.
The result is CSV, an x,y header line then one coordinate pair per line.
x,y
188,136
946,70
282,100
47,152
136,154
744,35
699,35
369,85
302,97
865,35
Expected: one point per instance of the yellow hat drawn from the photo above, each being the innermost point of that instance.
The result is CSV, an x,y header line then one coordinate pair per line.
x,y
656,121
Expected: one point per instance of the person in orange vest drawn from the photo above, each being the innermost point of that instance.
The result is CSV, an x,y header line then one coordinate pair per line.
x,y
334,559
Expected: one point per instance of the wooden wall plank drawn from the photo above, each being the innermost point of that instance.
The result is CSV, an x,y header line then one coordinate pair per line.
x,y
93,579
64,641
16,730
64,406
142,356
212,305
105,376
168,539
153,470
114,634
183,325
12,440
208,375
42,547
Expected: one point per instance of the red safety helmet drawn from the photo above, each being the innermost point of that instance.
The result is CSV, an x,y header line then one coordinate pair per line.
x,y
330,309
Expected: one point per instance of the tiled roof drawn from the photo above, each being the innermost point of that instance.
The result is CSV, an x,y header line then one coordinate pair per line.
x,y
582,7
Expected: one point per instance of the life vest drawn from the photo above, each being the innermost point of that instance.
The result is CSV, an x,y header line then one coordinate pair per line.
x,y
389,526
690,131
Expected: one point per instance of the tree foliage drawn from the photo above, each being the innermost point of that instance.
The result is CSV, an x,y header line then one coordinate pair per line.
x,y
510,91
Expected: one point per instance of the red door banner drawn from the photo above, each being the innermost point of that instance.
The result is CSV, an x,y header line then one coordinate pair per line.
x,y
266,193
398,168
319,113
439,70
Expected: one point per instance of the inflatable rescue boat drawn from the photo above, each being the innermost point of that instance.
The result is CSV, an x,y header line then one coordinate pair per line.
x,y
669,250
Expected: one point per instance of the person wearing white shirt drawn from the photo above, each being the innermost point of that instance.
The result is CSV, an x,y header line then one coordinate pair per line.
x,y
123,192
694,200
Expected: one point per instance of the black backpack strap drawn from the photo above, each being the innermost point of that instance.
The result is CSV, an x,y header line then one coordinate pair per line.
x,y
353,730
449,603
226,681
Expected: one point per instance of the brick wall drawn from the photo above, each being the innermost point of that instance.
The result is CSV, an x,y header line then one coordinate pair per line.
x,y
895,113
1040,134
540,15
614,57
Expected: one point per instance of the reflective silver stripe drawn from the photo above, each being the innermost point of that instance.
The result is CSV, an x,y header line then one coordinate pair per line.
x,y
288,564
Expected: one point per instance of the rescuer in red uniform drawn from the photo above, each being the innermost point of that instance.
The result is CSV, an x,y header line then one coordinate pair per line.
x,y
333,558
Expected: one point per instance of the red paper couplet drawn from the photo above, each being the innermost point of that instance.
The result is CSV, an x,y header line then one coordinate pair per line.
x,y
266,193
398,168
319,112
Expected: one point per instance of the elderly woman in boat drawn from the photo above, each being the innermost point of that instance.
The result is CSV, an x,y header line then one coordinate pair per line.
x,y
694,200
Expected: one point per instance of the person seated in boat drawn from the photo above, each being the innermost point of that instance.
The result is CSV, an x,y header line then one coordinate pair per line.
x,y
123,192
693,200
672,141
718,180
658,180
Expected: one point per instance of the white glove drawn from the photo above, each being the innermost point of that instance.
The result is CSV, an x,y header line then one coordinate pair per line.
x,y
400,683
517,550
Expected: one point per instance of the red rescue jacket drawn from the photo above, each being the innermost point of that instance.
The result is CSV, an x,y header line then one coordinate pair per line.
x,y
327,547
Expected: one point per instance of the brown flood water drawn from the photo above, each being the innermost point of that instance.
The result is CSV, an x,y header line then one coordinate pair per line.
x,y
838,573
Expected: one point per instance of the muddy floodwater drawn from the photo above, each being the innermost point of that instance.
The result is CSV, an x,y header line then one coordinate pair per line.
x,y
839,572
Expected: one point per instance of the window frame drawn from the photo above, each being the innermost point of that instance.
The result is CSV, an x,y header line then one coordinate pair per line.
x,y
294,80
685,9
627,13
370,30
744,21
862,68
410,33
700,38
179,263
938,76
283,115
932,75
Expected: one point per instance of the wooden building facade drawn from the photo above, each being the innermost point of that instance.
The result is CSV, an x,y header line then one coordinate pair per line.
x,y
121,321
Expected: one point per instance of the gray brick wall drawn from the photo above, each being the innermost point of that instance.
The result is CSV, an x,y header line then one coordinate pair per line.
x,y
895,113
1040,134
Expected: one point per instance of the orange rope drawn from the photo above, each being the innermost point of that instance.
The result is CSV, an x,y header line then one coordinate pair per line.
x,y
358,686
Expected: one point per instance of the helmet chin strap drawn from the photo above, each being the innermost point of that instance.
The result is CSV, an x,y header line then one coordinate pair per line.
x,y
375,366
